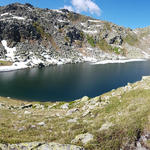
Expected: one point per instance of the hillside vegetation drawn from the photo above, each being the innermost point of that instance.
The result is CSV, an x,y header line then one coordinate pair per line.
x,y
116,120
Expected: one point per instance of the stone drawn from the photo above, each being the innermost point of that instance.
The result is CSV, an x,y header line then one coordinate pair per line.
x,y
106,126
86,113
26,106
41,123
41,65
27,112
39,146
38,106
51,106
55,146
95,99
65,106
72,120
2,105
21,146
84,138
32,126
71,111
85,98
105,97
84,107
21,129
92,106
57,114
146,78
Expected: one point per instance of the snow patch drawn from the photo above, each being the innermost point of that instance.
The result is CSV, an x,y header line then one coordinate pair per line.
x,y
15,66
10,51
36,61
5,14
90,31
146,54
89,48
88,59
94,21
12,16
98,25
62,20
18,18
58,11
83,24
117,61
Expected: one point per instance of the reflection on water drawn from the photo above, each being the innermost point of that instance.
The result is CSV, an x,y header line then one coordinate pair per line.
x,y
71,81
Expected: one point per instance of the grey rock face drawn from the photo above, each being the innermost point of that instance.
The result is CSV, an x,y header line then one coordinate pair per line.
x,y
39,146
47,37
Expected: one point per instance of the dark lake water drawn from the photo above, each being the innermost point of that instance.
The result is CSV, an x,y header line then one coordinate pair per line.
x,y
71,81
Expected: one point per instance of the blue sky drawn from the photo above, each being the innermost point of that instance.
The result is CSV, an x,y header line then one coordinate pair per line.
x,y
128,13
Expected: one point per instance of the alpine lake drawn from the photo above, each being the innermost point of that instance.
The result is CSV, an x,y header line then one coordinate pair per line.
x,y
70,81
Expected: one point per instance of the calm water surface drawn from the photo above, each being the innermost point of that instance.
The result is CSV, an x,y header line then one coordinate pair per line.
x,y
71,81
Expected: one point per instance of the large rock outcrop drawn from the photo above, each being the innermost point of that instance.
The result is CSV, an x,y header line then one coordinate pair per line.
x,y
44,36
39,146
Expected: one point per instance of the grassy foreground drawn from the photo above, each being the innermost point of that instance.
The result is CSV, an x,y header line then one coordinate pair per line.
x,y
117,119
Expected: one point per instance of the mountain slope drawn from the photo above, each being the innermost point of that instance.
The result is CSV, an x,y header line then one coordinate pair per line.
x,y
33,36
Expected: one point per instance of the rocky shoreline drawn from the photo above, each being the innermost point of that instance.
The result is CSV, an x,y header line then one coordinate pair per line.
x,y
19,66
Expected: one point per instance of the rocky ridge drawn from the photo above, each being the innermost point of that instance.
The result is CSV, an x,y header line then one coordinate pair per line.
x,y
32,36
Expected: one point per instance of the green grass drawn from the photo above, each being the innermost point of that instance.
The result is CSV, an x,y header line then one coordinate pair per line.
x,y
128,115
128,126
116,50
5,63
45,35
102,44
131,39
66,39
90,40
75,18
39,28
107,25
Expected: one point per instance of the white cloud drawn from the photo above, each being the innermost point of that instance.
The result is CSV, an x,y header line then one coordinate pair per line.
x,y
80,5
84,6
93,7
69,8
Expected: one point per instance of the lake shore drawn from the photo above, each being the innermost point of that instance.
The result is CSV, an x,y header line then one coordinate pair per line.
x,y
79,79
23,65
118,61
